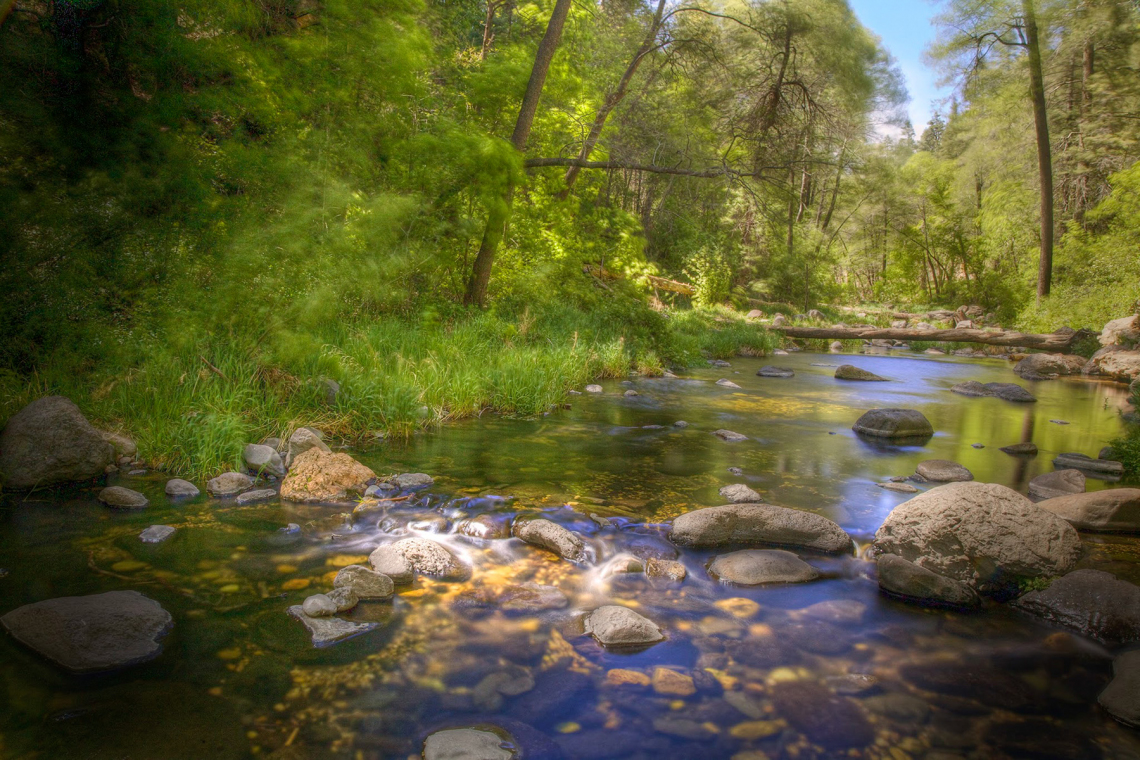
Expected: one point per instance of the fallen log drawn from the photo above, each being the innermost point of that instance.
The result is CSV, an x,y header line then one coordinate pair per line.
x,y
1058,342
672,286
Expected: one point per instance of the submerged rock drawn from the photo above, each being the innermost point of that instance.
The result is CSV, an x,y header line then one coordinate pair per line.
x,y
1073,460
469,744
898,487
118,497
617,626
725,383
326,631
228,484
156,534
758,524
824,717
943,471
176,488
365,583
982,534
851,372
903,578
1092,602
665,568
738,493
252,497
730,436
1006,391
319,476
753,567
50,441
1122,696
401,560
1113,509
894,423
1021,449
770,371
551,536
1058,483
91,634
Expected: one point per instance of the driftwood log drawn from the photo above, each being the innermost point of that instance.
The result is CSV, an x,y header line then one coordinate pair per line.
x,y
1058,342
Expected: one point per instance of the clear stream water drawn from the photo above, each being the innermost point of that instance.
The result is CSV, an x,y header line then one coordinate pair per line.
x,y
876,678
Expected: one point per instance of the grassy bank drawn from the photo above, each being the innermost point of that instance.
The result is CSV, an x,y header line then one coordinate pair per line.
x,y
191,409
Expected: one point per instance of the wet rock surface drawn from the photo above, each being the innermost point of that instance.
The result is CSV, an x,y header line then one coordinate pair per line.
x,y
1115,509
1058,483
1122,696
620,627
403,560
851,372
118,497
942,471
759,566
758,524
1092,602
552,537
894,424
906,579
825,718
738,493
326,631
1006,391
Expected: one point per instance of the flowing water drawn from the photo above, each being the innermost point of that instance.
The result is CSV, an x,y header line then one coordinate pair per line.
x,y
876,678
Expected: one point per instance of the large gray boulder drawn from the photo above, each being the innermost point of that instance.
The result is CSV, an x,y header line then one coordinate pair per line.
x,y
50,441
1092,602
402,560
1057,483
469,744
551,536
753,567
1114,509
263,459
92,634
1121,698
851,372
943,471
1044,366
982,534
894,423
903,578
617,626
751,524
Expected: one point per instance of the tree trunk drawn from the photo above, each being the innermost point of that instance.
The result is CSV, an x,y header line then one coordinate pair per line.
x,y
499,215
1044,153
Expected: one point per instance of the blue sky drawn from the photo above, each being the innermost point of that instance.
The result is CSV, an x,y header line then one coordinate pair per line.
x,y
904,26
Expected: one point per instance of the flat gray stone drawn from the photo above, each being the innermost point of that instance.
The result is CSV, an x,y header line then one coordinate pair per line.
x,y
229,484
1095,603
177,488
752,524
725,383
92,634
1088,464
1121,698
906,579
1112,510
365,583
738,493
252,497
468,744
894,424
753,567
616,626
943,471
730,436
770,371
1057,483
1006,391
851,372
118,497
898,487
156,534
326,631
413,480
551,536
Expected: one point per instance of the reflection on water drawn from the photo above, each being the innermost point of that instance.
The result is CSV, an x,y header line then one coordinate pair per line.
x,y
823,669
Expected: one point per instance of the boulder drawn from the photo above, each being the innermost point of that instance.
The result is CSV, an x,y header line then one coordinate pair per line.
x,y
730,436
770,371
318,475
92,634
1056,483
263,460
1092,602
753,567
747,524
326,631
156,534
1113,509
1021,449
894,424
1044,366
118,497
1121,698
469,744
1006,391
738,493
617,626
365,583
850,372
551,536
402,560
902,578
1072,460
982,534
1114,362
302,440
50,441
177,488
943,471
252,497
228,484
1121,332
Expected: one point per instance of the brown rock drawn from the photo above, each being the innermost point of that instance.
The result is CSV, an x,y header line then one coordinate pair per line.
x,y
323,476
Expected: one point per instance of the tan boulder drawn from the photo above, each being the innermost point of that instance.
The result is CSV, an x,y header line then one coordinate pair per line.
x,y
319,475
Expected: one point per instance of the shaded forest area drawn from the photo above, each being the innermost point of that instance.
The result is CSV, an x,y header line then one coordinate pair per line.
x,y
222,216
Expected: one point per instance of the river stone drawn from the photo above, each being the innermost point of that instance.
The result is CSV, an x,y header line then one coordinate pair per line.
x,y
1057,483
365,583
228,484
401,560
770,371
894,423
251,497
983,534
1121,698
124,446
485,526
1021,449
730,436
118,497
824,717
92,634
726,383
616,626
344,598
665,568
902,578
156,534
631,393
851,372
753,567
319,605
408,481
1092,602
50,441
943,471
302,440
551,536
1044,366
593,389
318,476
1072,460
1006,391
177,488
263,459
758,524
898,487
738,493
1113,509
326,631
468,744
